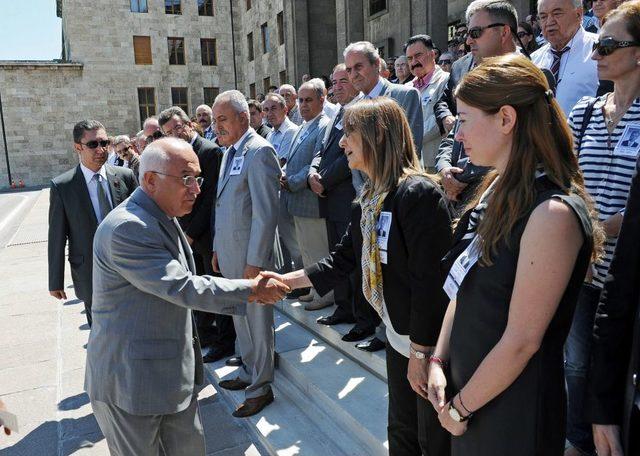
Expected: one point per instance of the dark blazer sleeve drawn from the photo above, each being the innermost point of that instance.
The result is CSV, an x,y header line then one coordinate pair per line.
x,y
330,271
615,319
444,157
336,173
200,221
426,228
58,233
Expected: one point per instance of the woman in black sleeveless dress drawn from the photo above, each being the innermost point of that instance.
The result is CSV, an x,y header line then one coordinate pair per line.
x,y
520,254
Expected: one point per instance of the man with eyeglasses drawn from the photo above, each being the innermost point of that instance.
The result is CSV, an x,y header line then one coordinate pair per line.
x,y
196,224
79,200
567,53
144,366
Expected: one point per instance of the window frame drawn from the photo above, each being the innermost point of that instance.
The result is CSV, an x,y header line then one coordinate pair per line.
x,y
280,26
266,41
175,48
138,9
214,90
250,47
146,106
174,8
204,7
185,105
206,42
147,40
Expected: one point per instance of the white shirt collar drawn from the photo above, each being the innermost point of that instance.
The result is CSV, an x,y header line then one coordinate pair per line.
x,y
307,123
236,146
88,174
285,125
576,36
193,139
377,90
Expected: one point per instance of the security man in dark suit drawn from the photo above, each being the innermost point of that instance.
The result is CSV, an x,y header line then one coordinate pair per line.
x,y
614,377
197,226
79,200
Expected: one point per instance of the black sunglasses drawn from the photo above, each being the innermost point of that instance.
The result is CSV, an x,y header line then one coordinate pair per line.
x,y
606,46
523,34
476,32
94,144
445,62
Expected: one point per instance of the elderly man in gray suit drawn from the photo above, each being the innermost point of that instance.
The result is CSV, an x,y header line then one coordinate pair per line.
x,y
302,202
245,226
144,364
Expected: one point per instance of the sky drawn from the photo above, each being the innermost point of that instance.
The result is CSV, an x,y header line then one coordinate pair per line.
x,y
29,30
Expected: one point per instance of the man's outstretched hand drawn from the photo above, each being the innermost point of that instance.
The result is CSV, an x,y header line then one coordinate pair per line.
x,y
267,290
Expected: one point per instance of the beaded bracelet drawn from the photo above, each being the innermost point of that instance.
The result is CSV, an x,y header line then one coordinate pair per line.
x,y
437,360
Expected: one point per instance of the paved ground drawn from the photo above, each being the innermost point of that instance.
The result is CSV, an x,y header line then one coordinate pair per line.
x,y
42,352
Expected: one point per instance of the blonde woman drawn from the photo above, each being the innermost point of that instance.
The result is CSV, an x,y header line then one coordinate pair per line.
x,y
399,232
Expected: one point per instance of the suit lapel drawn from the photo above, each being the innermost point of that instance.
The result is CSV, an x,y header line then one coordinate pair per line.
x,y
311,129
242,149
385,87
83,195
115,186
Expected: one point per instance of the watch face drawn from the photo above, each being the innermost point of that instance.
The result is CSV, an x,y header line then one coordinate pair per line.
x,y
454,414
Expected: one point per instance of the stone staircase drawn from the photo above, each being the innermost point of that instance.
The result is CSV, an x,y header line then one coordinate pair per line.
x,y
331,398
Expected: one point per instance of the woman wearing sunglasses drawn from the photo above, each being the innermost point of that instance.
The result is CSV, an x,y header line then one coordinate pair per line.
x,y
527,38
603,129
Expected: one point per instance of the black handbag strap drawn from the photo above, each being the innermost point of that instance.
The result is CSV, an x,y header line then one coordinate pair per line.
x,y
588,112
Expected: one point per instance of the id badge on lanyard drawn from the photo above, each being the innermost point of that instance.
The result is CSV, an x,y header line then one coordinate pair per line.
x,y
461,267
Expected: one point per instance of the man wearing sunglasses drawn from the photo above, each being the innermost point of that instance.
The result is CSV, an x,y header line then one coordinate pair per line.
x,y
79,201
567,53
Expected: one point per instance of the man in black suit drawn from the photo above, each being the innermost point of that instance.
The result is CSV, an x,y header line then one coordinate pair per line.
x,y
615,356
79,200
197,227
330,178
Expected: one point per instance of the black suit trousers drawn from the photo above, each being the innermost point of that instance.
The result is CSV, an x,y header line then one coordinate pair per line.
x,y
343,292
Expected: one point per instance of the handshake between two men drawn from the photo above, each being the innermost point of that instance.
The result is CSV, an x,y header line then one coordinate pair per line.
x,y
267,290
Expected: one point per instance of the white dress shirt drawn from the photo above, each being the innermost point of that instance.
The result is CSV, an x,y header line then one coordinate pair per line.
x,y
276,137
330,109
92,186
376,91
578,74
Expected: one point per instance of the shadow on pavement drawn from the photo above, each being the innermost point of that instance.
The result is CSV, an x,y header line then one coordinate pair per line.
x,y
72,302
83,327
43,440
73,402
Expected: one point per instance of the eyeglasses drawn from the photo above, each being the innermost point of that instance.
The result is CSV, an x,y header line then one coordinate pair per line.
x,y
523,34
476,32
95,143
188,181
445,62
606,46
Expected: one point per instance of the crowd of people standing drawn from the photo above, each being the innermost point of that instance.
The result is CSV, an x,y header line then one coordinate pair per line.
x,y
472,212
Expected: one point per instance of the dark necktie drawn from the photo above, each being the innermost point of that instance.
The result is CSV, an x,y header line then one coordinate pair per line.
x,y
227,166
104,207
555,65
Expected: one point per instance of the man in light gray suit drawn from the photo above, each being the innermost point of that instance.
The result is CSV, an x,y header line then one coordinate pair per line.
x,y
302,203
144,364
245,226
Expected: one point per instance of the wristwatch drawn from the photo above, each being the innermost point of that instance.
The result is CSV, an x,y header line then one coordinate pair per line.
x,y
418,354
455,415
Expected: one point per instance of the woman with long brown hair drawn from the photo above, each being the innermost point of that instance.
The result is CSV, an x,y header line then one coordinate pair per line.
x,y
520,253
399,232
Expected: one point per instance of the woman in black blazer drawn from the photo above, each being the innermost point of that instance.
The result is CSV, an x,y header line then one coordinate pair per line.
x,y
400,230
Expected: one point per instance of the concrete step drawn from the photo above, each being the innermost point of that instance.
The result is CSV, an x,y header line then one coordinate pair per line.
x,y
326,404
373,362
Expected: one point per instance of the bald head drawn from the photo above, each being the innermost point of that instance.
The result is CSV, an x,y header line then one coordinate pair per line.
x,y
163,167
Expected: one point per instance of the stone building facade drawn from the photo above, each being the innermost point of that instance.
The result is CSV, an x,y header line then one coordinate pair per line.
x,y
124,59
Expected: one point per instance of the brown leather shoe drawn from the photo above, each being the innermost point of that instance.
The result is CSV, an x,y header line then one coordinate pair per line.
x,y
234,385
254,405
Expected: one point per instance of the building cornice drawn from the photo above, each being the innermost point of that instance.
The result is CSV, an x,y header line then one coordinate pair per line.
x,y
36,64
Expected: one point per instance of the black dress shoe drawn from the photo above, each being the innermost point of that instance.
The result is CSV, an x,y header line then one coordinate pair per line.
x,y
216,354
371,345
234,361
333,320
254,405
295,294
357,334
235,384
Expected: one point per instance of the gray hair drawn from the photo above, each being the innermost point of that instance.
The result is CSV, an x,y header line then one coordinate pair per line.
x,y
156,157
206,107
576,4
122,139
315,84
140,134
275,97
363,47
498,10
83,126
287,87
166,115
401,58
149,120
235,98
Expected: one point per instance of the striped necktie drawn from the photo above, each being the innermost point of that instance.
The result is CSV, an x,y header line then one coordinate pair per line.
x,y
555,65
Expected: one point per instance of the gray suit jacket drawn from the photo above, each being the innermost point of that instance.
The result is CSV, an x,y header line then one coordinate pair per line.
x,y
301,201
143,354
72,218
409,99
247,209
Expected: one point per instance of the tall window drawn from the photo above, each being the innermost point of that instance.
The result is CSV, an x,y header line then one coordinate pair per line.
x,y
172,7
142,50
205,7
250,46
248,5
208,50
283,77
139,6
210,94
265,38
377,6
252,91
176,51
266,83
146,103
280,21
179,98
